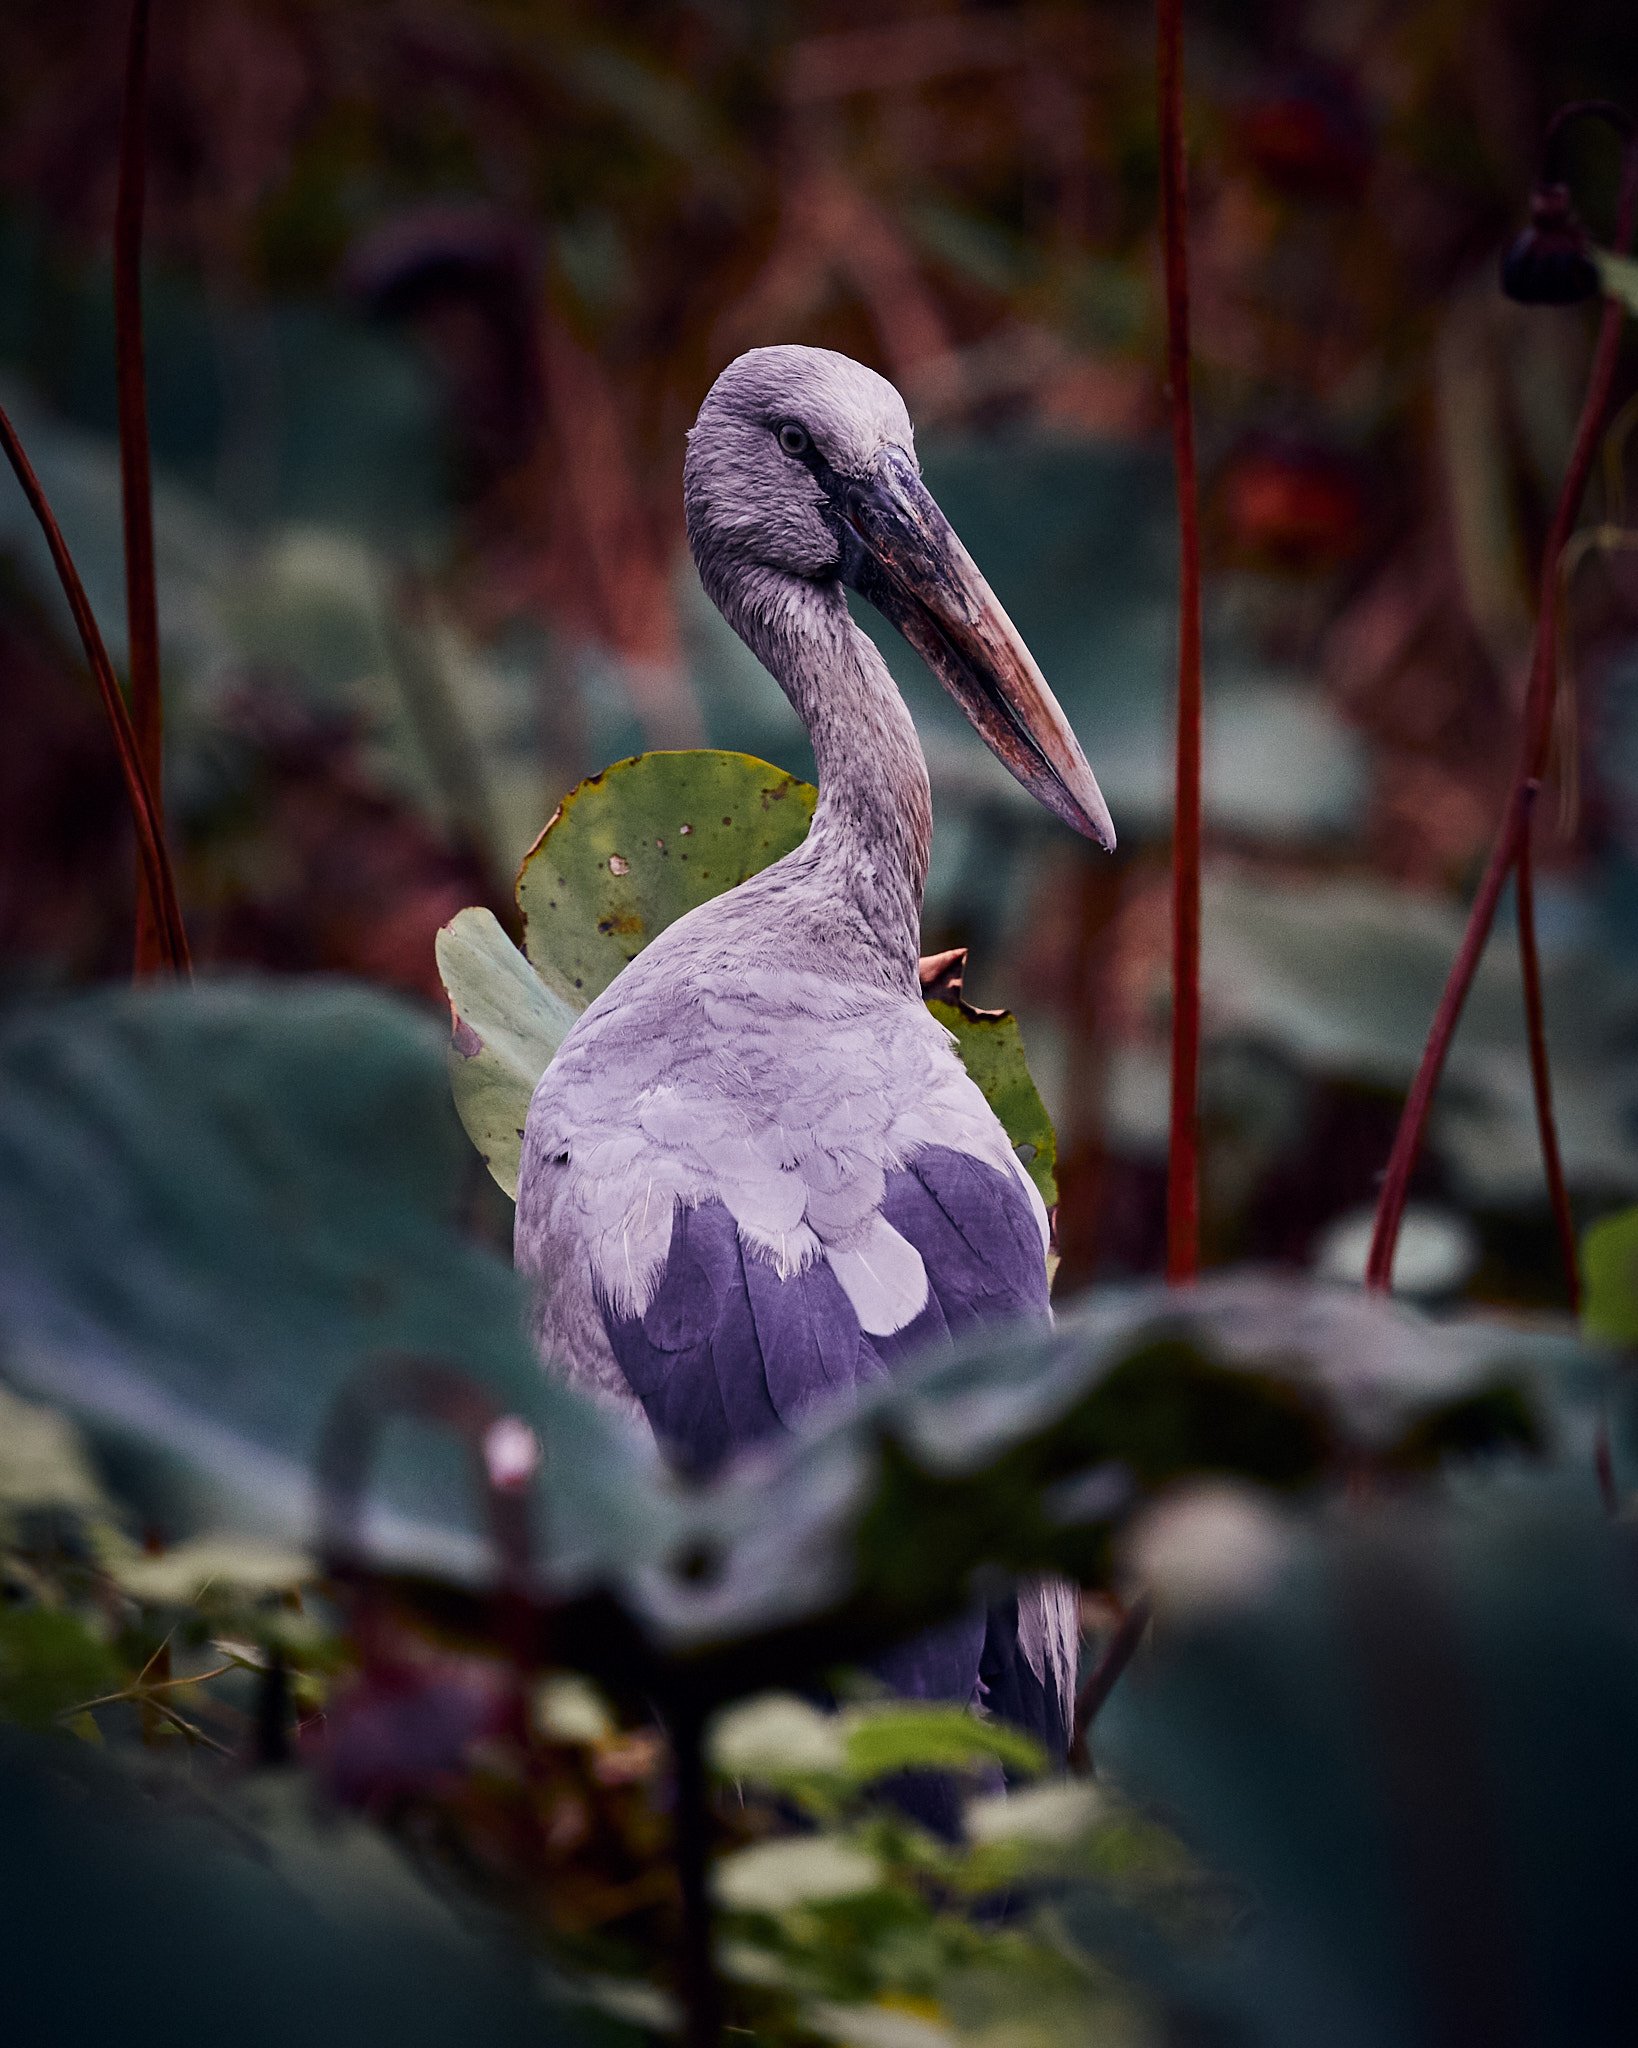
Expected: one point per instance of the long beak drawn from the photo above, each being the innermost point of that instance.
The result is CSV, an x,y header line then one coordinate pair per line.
x,y
901,553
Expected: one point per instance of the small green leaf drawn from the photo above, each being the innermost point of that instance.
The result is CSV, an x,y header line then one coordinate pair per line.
x,y
1619,277
1609,1273
633,849
771,1877
570,1709
875,2026
884,1739
506,1025
222,1563
1062,1811
992,1051
50,1661
42,1463
777,1737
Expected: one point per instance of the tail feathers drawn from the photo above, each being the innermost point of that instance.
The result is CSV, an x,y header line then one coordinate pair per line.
x,y
1031,1653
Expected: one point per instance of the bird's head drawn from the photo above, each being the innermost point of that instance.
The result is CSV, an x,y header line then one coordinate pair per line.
x,y
803,462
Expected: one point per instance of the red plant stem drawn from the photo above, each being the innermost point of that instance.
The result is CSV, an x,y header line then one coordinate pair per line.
x,y
1121,1648
1534,746
1541,1073
136,482
155,861
1183,1151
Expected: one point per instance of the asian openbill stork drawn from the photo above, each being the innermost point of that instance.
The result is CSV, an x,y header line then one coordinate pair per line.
x,y
756,1175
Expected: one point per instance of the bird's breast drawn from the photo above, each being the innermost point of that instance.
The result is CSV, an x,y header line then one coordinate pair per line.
x,y
780,1095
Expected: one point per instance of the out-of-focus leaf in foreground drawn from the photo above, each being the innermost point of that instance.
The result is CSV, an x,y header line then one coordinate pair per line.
x,y
1412,1745
215,1205
1022,1453
241,1905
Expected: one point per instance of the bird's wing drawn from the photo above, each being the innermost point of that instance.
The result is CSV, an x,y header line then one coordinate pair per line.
x,y
730,1349
746,1198
776,1196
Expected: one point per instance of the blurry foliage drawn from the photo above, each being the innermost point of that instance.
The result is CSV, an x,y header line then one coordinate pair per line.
x,y
281,1163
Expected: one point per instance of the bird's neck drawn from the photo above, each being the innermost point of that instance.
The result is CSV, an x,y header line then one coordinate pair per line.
x,y
873,827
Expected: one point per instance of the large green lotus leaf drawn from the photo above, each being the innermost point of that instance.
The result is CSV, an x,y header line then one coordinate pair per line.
x,y
992,1051
216,1205
633,849
506,1025
625,855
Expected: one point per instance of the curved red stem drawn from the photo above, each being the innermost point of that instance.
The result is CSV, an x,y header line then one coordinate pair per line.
x,y
151,852
1541,1073
1183,1150
136,482
1535,743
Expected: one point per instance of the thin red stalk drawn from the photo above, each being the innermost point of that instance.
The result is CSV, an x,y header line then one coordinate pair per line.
x,y
1534,746
1183,1152
1541,1073
136,482
155,861
1121,1648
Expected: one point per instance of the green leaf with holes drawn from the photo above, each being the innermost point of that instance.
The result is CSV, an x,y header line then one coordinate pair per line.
x,y
635,848
626,854
992,1051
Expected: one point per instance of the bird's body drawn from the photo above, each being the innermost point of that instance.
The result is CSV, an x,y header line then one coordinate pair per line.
x,y
756,1177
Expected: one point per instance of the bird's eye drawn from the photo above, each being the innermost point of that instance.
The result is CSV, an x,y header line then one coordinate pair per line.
x,y
793,439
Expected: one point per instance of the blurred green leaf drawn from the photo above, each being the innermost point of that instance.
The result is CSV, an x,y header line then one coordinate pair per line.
x,y
1024,1451
215,1205
1609,1273
223,1565
1413,1756
893,1737
50,1660
1619,277
777,1737
43,1463
771,1877
507,1024
244,1905
1055,1813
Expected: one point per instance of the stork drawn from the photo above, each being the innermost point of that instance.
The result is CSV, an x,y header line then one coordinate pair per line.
x,y
756,1177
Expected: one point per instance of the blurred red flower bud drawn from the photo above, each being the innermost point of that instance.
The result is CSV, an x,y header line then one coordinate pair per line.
x,y
1310,139
1292,507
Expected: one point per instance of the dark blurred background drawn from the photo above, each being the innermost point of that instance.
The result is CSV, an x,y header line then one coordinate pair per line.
x,y
434,290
